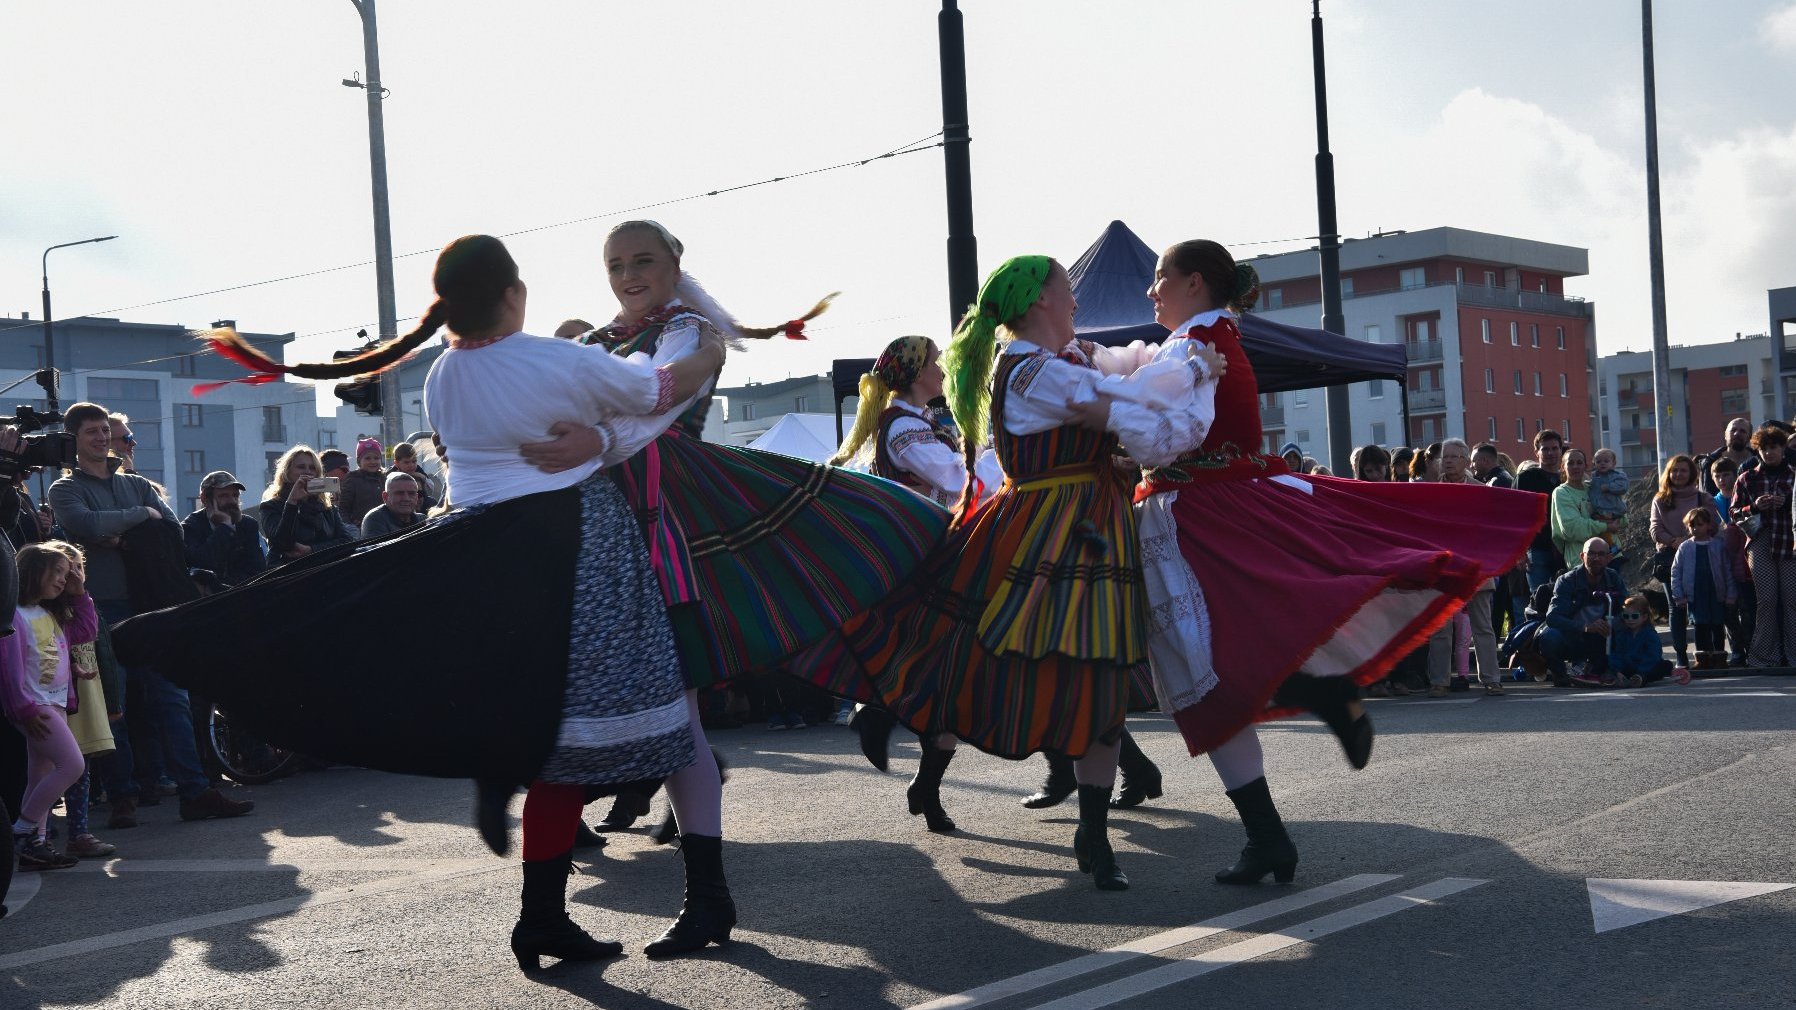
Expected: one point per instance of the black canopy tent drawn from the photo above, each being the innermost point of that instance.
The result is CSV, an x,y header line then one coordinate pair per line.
x,y
1110,281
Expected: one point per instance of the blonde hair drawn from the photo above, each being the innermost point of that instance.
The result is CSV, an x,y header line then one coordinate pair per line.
x,y
876,396
282,482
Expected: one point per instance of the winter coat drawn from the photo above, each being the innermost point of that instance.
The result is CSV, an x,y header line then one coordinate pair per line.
x,y
1634,652
361,492
1572,593
1721,571
233,553
312,523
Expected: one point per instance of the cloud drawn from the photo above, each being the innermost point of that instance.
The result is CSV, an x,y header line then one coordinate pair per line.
x,y
1779,28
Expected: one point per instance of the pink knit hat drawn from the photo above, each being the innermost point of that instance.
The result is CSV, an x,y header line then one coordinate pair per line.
x,y
368,445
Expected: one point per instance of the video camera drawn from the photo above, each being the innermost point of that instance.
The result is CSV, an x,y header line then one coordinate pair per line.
x,y
50,449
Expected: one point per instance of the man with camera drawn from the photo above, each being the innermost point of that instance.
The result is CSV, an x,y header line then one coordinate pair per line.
x,y
398,506
98,506
219,537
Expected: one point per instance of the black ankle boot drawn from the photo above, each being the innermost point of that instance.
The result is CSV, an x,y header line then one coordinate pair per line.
x,y
925,792
1269,848
492,802
709,913
629,804
586,838
543,926
1328,698
874,726
1056,787
1091,842
1140,776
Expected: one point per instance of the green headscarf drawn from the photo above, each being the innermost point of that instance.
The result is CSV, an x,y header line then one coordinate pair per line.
x,y
1006,295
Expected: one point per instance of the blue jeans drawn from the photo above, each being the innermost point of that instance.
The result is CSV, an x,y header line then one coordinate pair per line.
x,y
1559,646
170,718
1542,561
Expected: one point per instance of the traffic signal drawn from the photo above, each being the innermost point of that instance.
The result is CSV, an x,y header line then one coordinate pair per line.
x,y
363,394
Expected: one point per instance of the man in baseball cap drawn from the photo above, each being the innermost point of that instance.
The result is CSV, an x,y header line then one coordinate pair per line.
x,y
219,536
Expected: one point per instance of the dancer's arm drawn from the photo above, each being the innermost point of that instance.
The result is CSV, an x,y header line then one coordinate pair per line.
x,y
916,449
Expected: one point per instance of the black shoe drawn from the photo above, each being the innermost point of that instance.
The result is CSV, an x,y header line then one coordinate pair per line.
x,y
1327,698
544,927
1141,779
874,727
925,793
709,914
625,808
586,838
1091,841
1269,848
1458,684
211,803
1056,787
492,800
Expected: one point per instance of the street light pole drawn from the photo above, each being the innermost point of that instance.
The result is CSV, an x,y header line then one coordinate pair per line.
x,y
390,418
48,378
963,249
1668,434
1340,416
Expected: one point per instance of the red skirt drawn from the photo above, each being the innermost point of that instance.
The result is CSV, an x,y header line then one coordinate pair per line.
x,y
1332,577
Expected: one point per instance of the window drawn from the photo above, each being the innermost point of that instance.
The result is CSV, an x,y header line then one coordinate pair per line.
x,y
1564,388
800,404
1484,329
1375,389
1540,425
1300,398
1561,335
106,391
184,365
1537,384
272,428
1533,334
1515,334
1490,278
1518,382
191,415
1733,401
149,438
1490,381
327,437
1377,432
1303,437
1346,287
1374,335
1275,297
1493,429
272,458
1565,427
748,412
1729,371
1521,434
1424,330
1459,275
196,461
1412,277
1425,380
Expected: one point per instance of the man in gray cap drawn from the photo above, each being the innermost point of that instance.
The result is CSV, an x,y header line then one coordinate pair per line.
x,y
219,536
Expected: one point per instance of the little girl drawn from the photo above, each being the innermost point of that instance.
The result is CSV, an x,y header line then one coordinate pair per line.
x,y
1636,656
93,675
54,613
1702,579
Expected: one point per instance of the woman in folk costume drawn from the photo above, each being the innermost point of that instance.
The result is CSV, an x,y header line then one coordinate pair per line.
x,y
556,664
1026,631
1284,592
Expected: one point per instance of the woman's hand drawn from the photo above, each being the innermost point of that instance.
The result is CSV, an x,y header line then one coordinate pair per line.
x,y
1212,359
297,551
1094,415
572,445
299,493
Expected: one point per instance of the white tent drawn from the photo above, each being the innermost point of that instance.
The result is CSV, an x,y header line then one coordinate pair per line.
x,y
807,436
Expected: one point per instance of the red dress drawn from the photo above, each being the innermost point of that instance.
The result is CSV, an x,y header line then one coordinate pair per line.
x,y
1324,575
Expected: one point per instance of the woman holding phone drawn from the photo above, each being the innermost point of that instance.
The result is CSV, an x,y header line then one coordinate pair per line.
x,y
299,512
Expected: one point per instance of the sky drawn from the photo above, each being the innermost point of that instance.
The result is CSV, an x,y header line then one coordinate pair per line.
x,y
215,140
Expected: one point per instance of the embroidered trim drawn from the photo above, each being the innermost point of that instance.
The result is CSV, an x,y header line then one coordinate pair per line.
x,y
916,436
459,344
1023,375
664,393
618,333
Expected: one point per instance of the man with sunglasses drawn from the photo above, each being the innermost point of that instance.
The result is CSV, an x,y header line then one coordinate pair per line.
x,y
124,443
1578,628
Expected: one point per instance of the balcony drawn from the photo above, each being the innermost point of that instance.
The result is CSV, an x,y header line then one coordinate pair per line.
x,y
1423,350
1272,417
1525,301
1627,399
1630,436
1427,400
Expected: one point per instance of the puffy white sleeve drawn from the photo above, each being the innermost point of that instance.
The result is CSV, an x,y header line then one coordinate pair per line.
x,y
1165,408
914,446
629,434
1123,360
1040,390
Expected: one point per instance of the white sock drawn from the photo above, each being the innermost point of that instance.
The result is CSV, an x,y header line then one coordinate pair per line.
x,y
23,827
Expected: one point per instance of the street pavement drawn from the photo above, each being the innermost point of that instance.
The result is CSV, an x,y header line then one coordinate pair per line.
x,y
1507,852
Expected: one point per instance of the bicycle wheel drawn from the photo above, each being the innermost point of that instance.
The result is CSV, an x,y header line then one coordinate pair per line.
x,y
241,757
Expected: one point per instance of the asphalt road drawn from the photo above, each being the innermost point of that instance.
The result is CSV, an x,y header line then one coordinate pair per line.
x,y
1456,871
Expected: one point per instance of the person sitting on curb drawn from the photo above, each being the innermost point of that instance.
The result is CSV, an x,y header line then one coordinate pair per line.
x,y
1577,620
1636,656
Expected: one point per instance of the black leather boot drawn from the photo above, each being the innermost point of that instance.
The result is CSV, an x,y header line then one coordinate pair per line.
x,y
925,792
874,726
492,802
629,804
1091,842
1269,848
586,838
1328,698
1056,787
1140,776
543,925
709,913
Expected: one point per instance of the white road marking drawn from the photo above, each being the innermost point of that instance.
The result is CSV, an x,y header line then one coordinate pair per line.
x,y
1153,944
1236,953
115,866
261,910
1615,904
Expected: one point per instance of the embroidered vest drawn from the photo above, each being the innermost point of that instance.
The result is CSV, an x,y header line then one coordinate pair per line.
x,y
1027,456
885,466
648,340
1231,451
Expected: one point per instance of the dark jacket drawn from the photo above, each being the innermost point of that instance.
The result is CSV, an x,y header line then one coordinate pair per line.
x,y
1572,593
233,553
381,520
311,523
91,509
1501,478
156,567
1536,478
361,492
1707,480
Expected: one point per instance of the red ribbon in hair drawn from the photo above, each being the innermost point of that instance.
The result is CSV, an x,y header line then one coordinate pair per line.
x,y
794,329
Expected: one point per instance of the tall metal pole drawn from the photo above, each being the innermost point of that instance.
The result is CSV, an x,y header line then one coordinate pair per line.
x,y
963,251
47,378
390,417
1670,436
1340,419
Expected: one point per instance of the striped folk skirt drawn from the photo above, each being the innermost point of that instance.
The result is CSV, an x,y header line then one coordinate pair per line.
x,y
1026,632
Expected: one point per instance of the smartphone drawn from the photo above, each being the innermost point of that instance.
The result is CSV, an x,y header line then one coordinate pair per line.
x,y
324,485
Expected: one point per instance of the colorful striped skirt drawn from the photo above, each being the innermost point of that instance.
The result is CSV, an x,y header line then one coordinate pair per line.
x,y
1025,632
778,552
